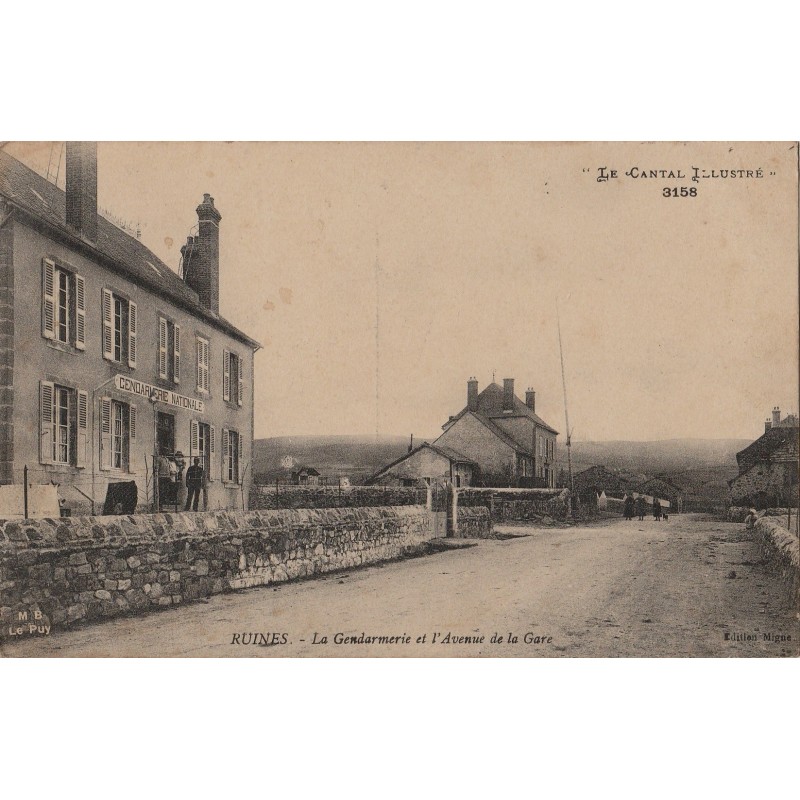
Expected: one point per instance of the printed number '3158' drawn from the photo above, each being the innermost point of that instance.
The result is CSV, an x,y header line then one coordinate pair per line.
x,y
683,191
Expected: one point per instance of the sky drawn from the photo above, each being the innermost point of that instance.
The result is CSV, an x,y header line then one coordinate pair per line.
x,y
380,277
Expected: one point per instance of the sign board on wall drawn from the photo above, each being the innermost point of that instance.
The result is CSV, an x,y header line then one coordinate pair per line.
x,y
155,393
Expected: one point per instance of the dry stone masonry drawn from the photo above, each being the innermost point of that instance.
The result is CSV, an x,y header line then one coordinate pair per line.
x,y
54,572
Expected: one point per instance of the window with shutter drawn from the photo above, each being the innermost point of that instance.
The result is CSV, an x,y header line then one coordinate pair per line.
x,y
162,348
82,455
108,325
176,354
212,449
80,312
194,437
202,364
48,299
105,433
132,421
225,455
226,375
239,458
46,392
240,387
132,331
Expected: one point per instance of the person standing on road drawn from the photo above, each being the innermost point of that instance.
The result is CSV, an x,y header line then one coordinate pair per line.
x,y
628,506
657,509
194,483
641,507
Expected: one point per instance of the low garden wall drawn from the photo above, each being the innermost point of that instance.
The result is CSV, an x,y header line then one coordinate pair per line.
x,y
473,523
54,572
272,497
780,550
511,505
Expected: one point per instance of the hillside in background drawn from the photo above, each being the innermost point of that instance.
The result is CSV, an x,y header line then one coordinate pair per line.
x,y
354,457
701,466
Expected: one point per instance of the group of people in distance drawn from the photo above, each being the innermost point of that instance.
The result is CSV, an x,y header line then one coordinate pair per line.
x,y
637,507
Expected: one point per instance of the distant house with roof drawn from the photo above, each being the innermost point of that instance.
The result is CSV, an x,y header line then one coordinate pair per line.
x,y
508,442
426,465
594,481
768,468
306,476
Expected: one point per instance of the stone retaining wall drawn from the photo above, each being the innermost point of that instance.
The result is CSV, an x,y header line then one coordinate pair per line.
x,y
779,548
474,523
270,497
54,572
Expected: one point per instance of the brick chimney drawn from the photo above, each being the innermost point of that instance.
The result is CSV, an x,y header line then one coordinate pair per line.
x,y
776,417
530,399
767,425
82,188
508,394
201,256
472,394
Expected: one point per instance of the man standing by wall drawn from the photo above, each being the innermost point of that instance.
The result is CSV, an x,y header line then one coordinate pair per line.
x,y
194,484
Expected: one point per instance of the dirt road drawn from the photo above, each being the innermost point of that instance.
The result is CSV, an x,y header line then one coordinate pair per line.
x,y
687,587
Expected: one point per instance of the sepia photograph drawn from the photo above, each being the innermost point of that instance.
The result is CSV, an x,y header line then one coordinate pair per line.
x,y
410,399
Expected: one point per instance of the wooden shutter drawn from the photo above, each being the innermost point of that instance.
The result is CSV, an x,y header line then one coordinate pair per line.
x,y
46,396
105,433
162,347
240,458
48,299
194,438
82,456
176,354
132,422
226,375
80,312
204,350
108,325
225,453
132,330
212,448
240,393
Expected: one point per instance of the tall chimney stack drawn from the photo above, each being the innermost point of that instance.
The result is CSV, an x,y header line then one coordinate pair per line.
x,y
201,266
82,188
776,416
530,399
472,394
767,425
508,394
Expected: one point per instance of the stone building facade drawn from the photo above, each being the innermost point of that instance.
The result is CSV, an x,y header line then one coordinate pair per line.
x,y
768,468
426,465
505,438
109,359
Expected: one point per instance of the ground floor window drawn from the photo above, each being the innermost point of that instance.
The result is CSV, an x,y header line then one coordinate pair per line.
x,y
120,435
231,455
63,426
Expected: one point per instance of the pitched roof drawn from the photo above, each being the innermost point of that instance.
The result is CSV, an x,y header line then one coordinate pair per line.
x,y
762,448
446,452
43,201
490,405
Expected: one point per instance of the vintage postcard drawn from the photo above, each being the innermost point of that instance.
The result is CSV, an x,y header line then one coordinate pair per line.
x,y
399,399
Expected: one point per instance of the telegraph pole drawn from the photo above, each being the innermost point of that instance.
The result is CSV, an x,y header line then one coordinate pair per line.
x,y
566,412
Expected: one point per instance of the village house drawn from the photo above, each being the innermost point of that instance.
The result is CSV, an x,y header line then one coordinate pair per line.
x,y
768,468
426,465
306,476
509,444
112,362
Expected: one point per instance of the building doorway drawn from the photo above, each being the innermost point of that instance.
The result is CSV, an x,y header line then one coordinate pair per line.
x,y
165,434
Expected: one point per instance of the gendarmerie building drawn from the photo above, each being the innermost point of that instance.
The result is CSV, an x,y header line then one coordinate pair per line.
x,y
111,362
